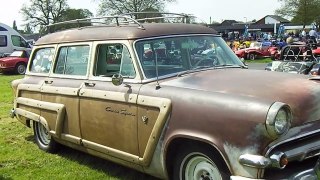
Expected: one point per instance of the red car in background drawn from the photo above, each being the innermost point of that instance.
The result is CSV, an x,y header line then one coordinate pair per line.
x,y
16,62
256,50
316,52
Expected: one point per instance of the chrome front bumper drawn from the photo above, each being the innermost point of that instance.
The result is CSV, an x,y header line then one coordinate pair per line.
x,y
308,174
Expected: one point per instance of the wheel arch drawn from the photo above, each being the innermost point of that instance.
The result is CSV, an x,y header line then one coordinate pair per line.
x,y
184,141
20,62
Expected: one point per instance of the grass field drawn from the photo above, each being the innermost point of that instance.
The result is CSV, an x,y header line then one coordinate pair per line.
x,y
20,157
263,60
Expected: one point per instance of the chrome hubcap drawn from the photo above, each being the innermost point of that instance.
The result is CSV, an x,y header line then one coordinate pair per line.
x,y
21,69
201,168
44,135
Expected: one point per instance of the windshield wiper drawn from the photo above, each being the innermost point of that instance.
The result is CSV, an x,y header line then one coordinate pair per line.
x,y
193,69
210,67
183,73
232,65
202,67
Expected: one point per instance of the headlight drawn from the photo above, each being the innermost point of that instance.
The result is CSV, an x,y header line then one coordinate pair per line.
x,y
278,119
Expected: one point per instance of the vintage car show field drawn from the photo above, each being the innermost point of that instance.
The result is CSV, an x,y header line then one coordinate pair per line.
x,y
20,158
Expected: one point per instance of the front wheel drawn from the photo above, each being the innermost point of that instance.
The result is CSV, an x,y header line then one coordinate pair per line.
x,y
43,139
199,163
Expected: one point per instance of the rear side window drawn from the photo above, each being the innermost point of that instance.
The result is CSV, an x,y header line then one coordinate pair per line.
x,y
3,41
41,61
18,41
113,59
72,60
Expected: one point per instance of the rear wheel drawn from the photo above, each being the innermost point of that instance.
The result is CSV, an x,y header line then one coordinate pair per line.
x,y
20,68
43,139
199,163
252,56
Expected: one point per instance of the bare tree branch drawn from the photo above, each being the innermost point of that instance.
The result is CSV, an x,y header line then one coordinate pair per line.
x,y
111,7
43,12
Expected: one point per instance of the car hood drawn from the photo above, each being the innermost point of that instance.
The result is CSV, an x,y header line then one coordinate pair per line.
x,y
301,94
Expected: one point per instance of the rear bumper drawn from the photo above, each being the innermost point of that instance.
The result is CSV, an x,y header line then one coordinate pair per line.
x,y
12,113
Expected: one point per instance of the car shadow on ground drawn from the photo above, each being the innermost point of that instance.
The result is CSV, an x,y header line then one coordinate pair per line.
x,y
109,168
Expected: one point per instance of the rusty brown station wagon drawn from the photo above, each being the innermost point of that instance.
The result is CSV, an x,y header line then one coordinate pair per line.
x,y
170,100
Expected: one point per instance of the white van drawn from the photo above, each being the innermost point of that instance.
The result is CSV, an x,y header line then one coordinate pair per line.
x,y
11,40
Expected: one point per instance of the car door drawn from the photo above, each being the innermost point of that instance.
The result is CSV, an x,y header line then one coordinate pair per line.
x,y
61,90
108,113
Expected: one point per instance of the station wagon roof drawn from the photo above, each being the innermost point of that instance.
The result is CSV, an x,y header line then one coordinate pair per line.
x,y
123,32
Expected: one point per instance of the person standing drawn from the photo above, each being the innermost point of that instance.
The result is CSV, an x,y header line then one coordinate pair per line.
x,y
303,35
313,34
269,36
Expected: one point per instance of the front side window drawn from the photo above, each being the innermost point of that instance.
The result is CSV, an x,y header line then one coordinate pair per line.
x,y
172,55
72,60
113,59
3,40
18,41
41,60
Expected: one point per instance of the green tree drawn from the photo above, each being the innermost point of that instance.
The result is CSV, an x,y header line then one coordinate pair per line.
x,y
14,25
301,11
72,14
28,29
115,7
43,12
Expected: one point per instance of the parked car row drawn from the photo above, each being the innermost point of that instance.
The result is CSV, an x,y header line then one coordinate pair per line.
x,y
11,40
256,50
260,49
14,51
298,57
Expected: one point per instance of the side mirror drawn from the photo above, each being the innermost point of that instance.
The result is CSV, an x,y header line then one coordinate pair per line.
x,y
117,79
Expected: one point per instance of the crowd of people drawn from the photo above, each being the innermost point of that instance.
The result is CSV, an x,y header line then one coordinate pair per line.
x,y
237,40
302,35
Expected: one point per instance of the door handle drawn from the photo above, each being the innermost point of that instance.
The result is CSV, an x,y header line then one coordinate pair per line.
x,y
89,84
48,81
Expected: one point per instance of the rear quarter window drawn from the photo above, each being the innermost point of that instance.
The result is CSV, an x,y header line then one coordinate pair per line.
x,y
72,60
41,60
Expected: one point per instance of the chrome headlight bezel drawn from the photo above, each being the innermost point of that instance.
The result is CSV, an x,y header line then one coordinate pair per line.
x,y
275,124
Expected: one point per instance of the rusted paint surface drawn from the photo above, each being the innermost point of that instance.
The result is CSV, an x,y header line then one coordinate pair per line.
x,y
118,33
228,108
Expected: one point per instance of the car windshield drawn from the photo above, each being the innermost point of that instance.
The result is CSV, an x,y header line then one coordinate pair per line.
x,y
174,55
16,54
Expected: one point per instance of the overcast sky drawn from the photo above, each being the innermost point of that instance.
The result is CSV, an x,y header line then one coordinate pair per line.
x,y
218,10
